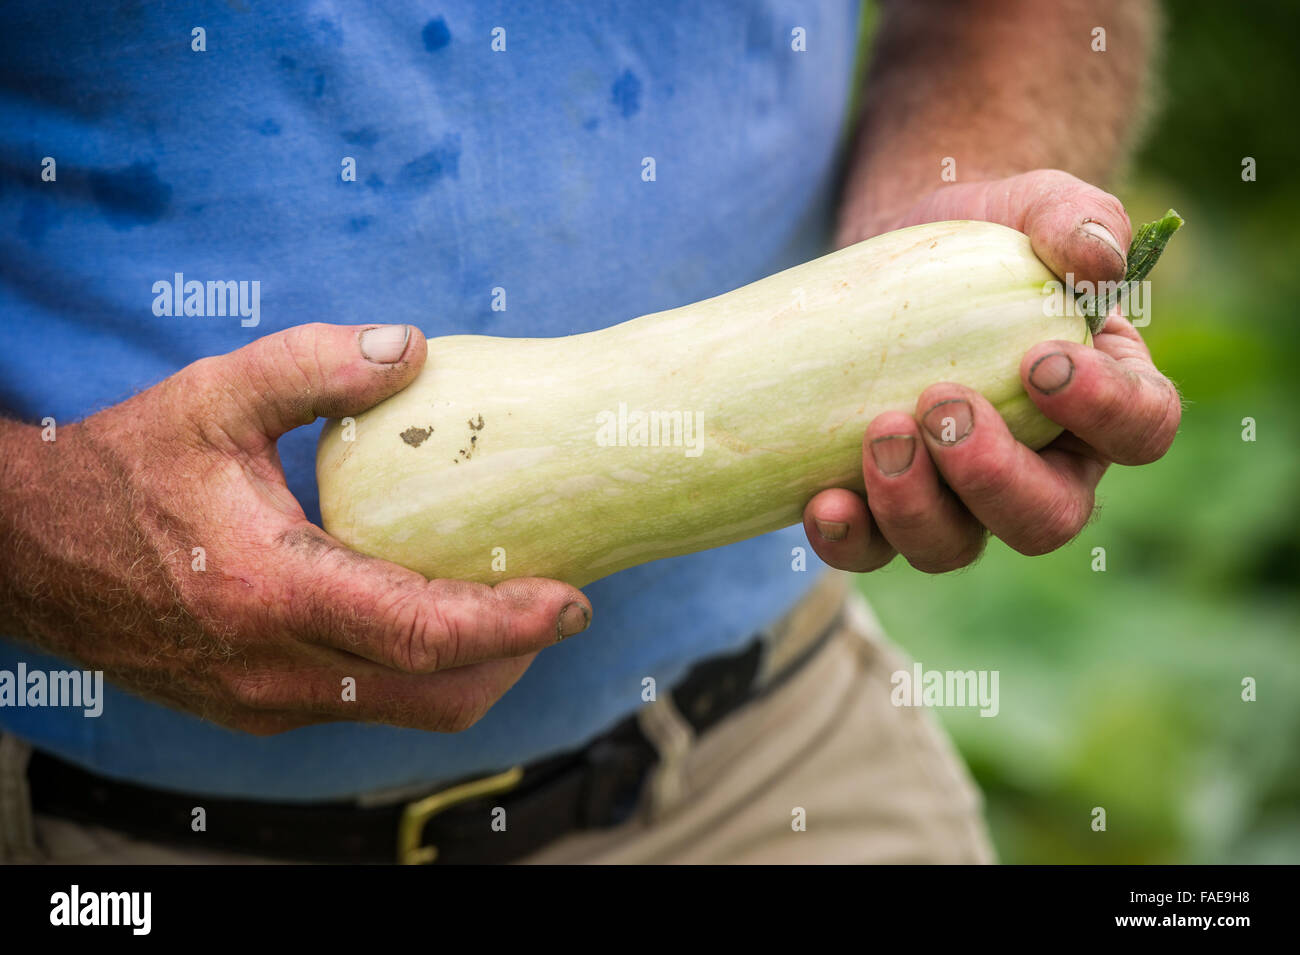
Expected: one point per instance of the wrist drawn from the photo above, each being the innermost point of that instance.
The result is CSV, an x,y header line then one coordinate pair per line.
x,y
37,519
20,474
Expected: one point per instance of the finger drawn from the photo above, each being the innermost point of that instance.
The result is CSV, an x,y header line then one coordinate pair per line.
x,y
289,379
1121,406
914,512
1034,502
1119,339
841,532
395,617
342,687
1074,227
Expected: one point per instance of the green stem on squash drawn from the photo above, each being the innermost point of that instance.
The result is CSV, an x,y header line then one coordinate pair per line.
x,y
1149,242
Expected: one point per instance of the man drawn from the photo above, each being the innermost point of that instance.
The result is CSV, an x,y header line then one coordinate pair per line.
x,y
414,170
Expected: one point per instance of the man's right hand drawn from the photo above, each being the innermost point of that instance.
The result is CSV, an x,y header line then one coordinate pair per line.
x,y
260,629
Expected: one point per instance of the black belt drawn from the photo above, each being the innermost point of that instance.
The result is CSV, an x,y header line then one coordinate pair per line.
x,y
594,787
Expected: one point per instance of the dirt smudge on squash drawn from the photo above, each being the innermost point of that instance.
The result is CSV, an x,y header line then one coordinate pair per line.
x,y
416,436
475,424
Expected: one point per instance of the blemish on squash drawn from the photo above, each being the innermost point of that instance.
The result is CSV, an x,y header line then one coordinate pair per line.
x,y
730,441
475,424
416,436
740,446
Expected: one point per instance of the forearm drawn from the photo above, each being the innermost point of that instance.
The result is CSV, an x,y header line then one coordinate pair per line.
x,y
999,87
55,527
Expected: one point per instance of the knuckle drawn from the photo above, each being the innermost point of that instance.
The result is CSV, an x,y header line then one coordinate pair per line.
x,y
985,475
1037,544
1061,525
928,565
421,643
1112,204
301,345
908,516
961,553
1083,191
1111,408
206,374
1158,431
1054,180
207,389
220,395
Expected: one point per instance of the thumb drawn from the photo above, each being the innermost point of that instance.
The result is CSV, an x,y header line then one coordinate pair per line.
x,y
1075,228
291,378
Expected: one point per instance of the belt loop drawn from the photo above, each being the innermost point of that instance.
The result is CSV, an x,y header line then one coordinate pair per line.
x,y
673,738
17,831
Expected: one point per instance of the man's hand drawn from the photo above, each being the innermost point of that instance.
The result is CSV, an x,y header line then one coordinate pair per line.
x,y
934,500
100,558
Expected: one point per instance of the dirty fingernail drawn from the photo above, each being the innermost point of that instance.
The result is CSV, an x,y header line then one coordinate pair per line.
x,y
1099,231
832,530
574,618
1052,372
949,421
385,344
893,453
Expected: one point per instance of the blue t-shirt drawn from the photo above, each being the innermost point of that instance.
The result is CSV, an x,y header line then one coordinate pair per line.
x,y
493,148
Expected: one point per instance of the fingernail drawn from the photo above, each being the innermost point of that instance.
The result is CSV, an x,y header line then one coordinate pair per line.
x,y
832,530
893,453
949,421
385,344
574,618
1098,231
1052,372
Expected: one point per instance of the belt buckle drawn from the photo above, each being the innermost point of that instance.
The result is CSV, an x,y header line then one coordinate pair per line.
x,y
416,815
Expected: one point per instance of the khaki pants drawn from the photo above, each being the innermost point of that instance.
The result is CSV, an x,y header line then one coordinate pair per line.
x,y
870,782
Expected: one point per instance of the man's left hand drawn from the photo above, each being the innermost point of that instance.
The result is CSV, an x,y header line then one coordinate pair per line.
x,y
934,501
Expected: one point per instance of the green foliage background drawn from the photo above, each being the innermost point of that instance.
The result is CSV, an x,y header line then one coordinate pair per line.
x,y
1123,689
